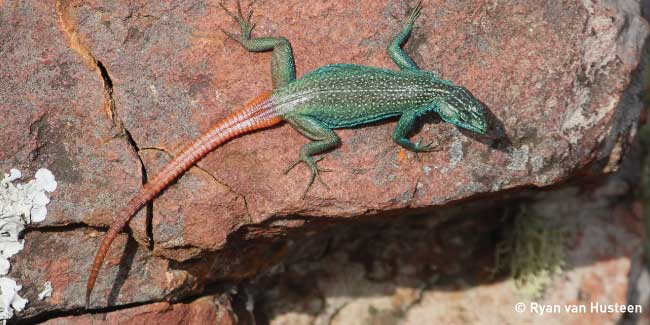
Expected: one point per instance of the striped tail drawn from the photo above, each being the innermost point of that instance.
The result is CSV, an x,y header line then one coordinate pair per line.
x,y
257,114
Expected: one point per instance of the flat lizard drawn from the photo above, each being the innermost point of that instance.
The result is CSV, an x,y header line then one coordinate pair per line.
x,y
331,97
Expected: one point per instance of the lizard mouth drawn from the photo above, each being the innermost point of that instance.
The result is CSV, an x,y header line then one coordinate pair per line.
x,y
481,129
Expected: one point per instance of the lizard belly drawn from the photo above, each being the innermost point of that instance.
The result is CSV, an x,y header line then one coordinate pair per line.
x,y
352,116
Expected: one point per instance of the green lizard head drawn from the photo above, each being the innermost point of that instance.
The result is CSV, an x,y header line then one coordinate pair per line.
x,y
464,110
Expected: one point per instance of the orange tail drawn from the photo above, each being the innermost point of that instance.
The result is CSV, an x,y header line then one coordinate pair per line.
x,y
257,114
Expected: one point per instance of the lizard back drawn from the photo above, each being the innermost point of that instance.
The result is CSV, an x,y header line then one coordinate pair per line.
x,y
347,95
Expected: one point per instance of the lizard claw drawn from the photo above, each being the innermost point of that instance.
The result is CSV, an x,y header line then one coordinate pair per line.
x,y
415,12
315,172
250,12
427,147
244,22
294,164
318,170
327,170
231,35
314,175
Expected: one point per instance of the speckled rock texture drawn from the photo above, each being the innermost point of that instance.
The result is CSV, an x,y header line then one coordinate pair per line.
x,y
104,92
206,310
446,276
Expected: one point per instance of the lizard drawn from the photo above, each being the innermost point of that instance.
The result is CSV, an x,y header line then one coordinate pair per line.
x,y
330,97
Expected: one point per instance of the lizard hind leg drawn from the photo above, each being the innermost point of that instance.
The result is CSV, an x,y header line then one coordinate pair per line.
x,y
283,67
244,22
324,139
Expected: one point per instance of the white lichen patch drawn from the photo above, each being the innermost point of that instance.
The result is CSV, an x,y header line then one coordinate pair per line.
x,y
537,163
578,120
519,158
472,187
46,292
20,205
9,298
455,153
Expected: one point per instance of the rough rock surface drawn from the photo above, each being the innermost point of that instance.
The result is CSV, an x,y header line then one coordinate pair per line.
x,y
206,310
444,279
91,89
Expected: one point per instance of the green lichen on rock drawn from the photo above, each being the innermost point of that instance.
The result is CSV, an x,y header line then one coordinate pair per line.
x,y
532,251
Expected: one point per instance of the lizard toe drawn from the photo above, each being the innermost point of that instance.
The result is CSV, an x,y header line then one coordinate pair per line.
x,y
294,164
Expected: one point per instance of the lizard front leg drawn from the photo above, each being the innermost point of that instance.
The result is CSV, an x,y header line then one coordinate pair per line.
x,y
324,139
283,67
395,51
404,127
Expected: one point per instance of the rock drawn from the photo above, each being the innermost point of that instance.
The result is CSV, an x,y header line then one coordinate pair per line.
x,y
99,87
132,273
552,84
444,277
55,116
206,310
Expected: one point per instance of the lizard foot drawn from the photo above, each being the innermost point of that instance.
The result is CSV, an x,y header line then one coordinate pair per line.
x,y
419,147
244,22
315,172
415,13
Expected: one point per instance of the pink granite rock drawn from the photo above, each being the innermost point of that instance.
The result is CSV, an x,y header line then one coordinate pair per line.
x,y
418,272
552,76
206,310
